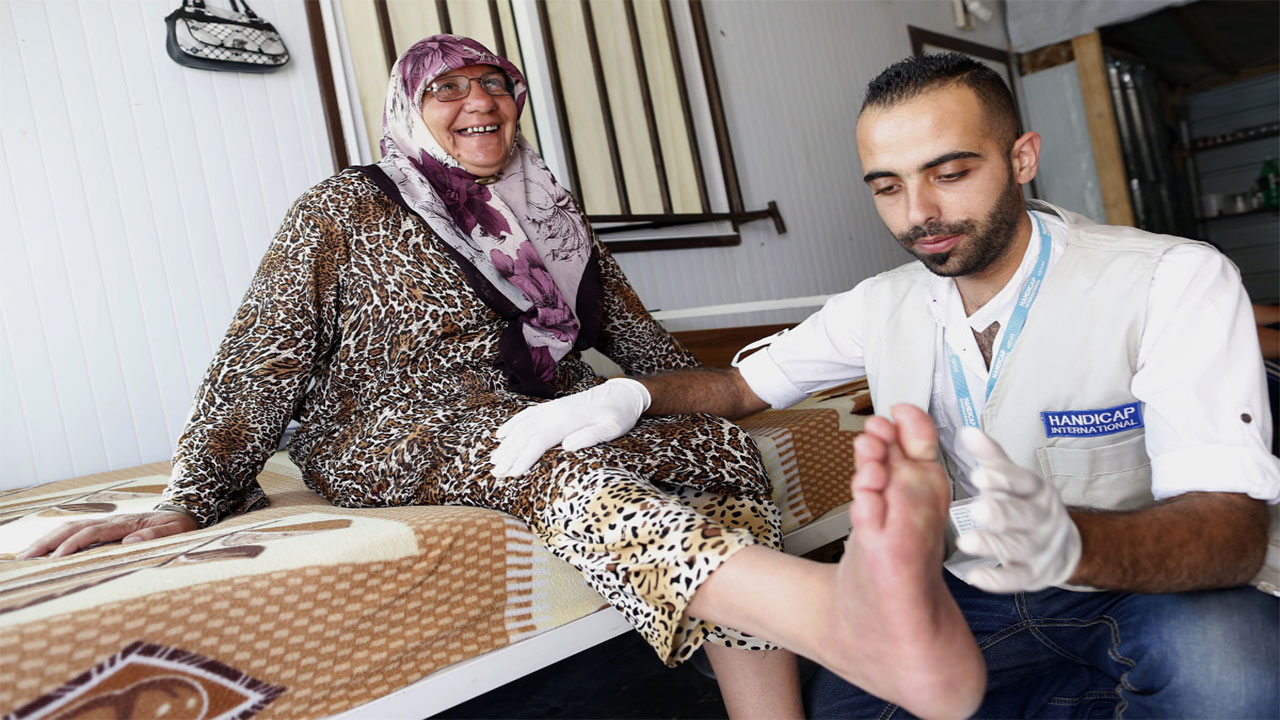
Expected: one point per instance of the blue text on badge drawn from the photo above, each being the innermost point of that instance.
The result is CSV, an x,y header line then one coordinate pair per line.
x,y
1091,423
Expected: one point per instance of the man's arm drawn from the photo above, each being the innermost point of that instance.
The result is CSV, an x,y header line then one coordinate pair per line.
x,y
1268,337
1193,541
1196,541
705,390
823,351
1208,431
1208,428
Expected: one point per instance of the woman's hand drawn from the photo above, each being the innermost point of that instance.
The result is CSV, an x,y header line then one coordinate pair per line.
x,y
603,413
134,527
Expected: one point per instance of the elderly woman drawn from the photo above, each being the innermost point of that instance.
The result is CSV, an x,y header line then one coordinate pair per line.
x,y
406,309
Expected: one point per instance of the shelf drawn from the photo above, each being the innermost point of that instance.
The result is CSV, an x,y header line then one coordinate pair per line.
x,y
1246,213
1235,137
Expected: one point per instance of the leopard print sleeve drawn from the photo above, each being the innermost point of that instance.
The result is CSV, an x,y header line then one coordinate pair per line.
x,y
628,333
261,371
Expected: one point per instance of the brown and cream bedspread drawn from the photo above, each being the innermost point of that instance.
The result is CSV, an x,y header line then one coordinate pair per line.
x,y
304,609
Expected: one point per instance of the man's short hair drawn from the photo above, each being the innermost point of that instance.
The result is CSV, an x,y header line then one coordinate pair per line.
x,y
910,78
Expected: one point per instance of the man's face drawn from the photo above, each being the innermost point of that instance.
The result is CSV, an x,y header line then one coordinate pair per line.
x,y
942,181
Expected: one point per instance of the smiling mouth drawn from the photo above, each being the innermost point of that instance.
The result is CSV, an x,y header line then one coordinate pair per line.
x,y
478,130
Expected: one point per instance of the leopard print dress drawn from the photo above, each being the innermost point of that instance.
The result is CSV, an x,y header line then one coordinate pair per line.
x,y
360,325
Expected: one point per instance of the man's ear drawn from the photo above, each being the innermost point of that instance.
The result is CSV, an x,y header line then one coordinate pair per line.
x,y
1024,158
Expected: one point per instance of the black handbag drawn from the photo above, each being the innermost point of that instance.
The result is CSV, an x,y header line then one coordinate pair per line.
x,y
212,38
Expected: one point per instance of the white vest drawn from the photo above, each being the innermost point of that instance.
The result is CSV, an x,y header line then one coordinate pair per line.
x,y
1078,352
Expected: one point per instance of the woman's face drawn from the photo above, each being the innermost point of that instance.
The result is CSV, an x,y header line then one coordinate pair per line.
x,y
477,130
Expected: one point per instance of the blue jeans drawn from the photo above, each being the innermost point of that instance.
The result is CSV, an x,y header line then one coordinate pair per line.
x,y
1063,654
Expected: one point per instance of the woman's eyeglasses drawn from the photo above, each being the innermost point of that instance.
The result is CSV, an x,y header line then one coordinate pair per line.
x,y
456,87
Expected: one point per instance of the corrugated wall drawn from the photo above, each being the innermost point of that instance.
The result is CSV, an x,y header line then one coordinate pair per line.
x,y
792,75
1054,107
1250,240
136,199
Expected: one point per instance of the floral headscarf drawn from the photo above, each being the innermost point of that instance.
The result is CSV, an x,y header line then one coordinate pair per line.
x,y
521,234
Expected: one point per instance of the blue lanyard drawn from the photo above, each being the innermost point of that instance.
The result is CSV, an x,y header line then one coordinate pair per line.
x,y
1017,320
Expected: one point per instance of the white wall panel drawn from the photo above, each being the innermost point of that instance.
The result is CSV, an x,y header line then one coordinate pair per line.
x,y
1054,107
16,456
1036,23
793,140
137,197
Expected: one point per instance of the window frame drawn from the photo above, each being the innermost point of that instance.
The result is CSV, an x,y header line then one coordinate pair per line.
x,y
722,210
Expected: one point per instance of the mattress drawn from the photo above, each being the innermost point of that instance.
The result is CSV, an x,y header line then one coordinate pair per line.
x,y
303,609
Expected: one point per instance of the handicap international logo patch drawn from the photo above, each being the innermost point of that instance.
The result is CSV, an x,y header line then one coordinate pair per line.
x,y
1091,423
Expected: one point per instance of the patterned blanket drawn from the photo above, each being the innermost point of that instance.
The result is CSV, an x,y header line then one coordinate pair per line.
x,y
304,609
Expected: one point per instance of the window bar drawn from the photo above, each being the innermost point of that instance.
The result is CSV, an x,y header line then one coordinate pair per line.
x,y
621,246
770,212
610,131
328,93
384,31
684,106
442,11
500,42
553,66
727,165
647,98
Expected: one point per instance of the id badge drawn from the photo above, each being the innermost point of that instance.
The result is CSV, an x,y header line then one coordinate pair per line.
x,y
962,520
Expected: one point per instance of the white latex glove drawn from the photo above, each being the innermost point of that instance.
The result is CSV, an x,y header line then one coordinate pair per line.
x,y
604,412
1027,528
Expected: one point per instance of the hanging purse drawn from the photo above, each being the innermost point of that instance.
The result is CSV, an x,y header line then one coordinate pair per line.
x,y
212,38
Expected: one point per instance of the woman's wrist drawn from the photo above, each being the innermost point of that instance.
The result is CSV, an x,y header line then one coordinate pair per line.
x,y
175,507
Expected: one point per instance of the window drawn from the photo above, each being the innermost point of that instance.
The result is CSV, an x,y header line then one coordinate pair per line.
x,y
624,104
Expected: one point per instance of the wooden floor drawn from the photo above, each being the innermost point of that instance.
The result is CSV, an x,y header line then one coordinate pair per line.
x,y
621,679
716,348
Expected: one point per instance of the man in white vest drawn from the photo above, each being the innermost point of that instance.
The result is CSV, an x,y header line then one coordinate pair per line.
x,y
1100,404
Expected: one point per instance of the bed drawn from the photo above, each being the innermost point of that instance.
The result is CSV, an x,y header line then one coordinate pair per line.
x,y
306,610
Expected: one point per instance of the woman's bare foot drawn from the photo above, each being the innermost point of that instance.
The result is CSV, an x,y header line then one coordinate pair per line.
x,y
894,629
882,618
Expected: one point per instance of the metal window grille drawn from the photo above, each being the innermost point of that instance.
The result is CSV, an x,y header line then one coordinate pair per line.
x,y
625,125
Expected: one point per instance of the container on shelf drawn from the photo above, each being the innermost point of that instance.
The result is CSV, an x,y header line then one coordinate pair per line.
x,y
1211,204
1269,183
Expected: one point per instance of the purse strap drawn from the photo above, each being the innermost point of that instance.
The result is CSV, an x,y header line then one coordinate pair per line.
x,y
247,10
240,6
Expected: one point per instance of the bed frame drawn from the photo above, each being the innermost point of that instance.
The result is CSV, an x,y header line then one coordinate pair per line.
x,y
470,678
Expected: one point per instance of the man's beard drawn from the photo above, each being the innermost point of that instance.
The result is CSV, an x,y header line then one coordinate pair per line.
x,y
982,245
